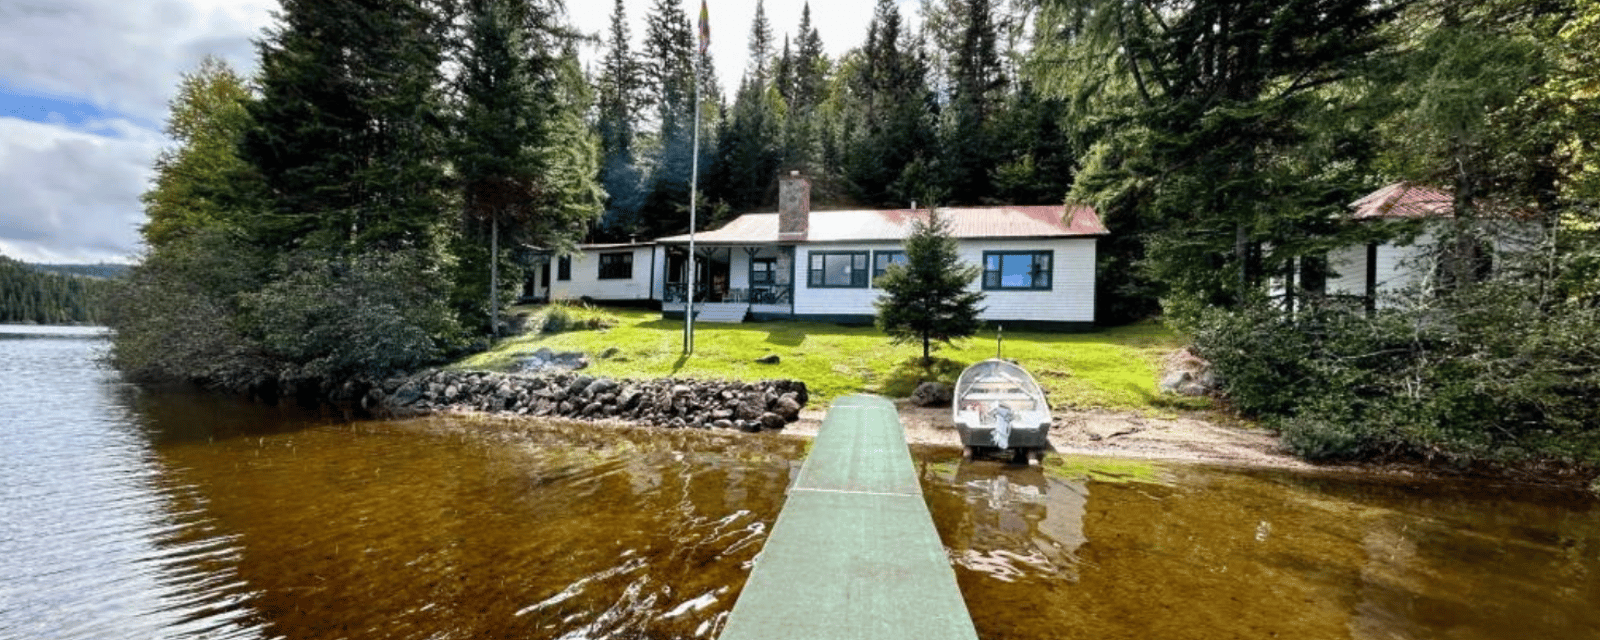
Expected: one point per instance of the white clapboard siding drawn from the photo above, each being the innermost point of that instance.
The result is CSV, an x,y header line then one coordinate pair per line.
x,y
1070,299
586,282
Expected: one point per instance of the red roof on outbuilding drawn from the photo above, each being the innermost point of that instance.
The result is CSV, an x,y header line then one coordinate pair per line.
x,y
1404,200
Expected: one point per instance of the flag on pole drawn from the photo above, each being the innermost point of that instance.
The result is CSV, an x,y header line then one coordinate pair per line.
x,y
705,28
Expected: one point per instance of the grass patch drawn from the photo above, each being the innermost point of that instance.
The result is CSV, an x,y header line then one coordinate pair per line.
x,y
1112,368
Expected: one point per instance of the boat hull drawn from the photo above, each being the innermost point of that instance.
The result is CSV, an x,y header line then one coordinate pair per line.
x,y
997,404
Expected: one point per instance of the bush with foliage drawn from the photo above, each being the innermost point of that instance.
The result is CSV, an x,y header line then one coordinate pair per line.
x,y
564,315
371,315
1495,372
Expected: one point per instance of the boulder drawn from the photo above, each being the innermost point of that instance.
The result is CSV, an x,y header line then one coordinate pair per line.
x,y
1187,374
408,393
751,408
770,420
771,358
1176,380
787,406
601,387
931,394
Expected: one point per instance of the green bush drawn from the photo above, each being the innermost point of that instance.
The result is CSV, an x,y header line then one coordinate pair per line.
x,y
561,316
1485,374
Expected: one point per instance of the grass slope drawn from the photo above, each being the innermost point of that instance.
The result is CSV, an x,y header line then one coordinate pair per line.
x,y
1113,368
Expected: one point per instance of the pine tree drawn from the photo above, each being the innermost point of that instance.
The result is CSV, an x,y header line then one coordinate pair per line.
x,y
752,149
350,127
620,93
669,48
504,121
929,298
810,66
888,148
1215,122
977,82
760,46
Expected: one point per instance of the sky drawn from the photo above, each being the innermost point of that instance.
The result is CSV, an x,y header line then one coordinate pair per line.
x,y
84,86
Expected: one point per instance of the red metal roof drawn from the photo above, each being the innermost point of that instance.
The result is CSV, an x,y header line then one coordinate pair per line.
x,y
1404,200
895,224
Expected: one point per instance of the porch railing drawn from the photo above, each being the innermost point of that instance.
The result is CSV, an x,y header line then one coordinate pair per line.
x,y
675,292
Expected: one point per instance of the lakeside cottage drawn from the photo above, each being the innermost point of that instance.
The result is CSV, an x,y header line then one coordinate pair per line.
x,y
1038,264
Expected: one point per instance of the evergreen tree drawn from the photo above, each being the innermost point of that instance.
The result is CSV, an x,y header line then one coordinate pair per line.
x,y
805,79
669,48
929,298
810,66
887,146
620,92
506,129
33,294
752,150
977,82
1462,87
783,72
760,45
350,127
1221,117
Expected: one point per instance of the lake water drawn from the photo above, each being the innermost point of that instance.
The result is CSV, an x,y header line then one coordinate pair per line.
x,y
133,513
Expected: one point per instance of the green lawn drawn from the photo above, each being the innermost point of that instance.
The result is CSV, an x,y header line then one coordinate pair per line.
x,y
1113,368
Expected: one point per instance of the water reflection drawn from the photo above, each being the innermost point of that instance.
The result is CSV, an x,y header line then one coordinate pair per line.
x,y
93,541
418,529
1136,551
138,513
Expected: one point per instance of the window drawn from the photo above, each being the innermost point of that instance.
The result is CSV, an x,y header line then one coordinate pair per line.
x,y
881,261
616,266
1016,270
838,269
564,268
763,271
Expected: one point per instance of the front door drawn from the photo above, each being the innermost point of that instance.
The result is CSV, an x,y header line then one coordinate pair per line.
x,y
716,280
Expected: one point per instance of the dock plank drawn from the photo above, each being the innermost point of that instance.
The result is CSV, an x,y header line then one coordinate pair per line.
x,y
854,553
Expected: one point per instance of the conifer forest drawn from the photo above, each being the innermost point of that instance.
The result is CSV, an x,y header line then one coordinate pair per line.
x,y
342,211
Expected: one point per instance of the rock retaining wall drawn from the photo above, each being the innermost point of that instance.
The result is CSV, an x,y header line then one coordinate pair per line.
x,y
752,406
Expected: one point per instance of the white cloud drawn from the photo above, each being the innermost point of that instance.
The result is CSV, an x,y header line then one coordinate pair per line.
x,y
71,191
126,56
72,195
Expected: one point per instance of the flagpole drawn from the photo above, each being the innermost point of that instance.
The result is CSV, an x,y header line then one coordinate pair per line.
x,y
694,182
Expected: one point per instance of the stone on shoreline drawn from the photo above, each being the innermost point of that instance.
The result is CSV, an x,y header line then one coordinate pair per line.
x,y
672,403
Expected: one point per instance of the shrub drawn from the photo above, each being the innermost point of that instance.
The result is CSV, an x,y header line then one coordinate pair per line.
x,y
560,316
1485,374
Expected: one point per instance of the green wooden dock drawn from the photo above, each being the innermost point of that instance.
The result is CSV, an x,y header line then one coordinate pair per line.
x,y
854,554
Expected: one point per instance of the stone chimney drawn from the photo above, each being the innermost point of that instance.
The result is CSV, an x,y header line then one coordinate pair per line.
x,y
794,207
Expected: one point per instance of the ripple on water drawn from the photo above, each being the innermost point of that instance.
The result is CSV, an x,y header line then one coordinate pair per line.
x,y
92,542
126,513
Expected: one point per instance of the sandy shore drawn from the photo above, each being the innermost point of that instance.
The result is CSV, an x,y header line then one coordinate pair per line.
x,y
1108,433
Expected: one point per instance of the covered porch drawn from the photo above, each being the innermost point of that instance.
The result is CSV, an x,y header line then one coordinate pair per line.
x,y
755,281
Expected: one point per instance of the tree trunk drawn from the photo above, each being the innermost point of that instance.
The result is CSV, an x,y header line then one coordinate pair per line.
x,y
494,277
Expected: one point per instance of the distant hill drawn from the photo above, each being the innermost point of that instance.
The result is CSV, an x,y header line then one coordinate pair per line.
x,y
54,294
102,270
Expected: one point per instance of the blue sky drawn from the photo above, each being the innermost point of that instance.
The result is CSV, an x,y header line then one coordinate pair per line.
x,y
65,111
84,86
